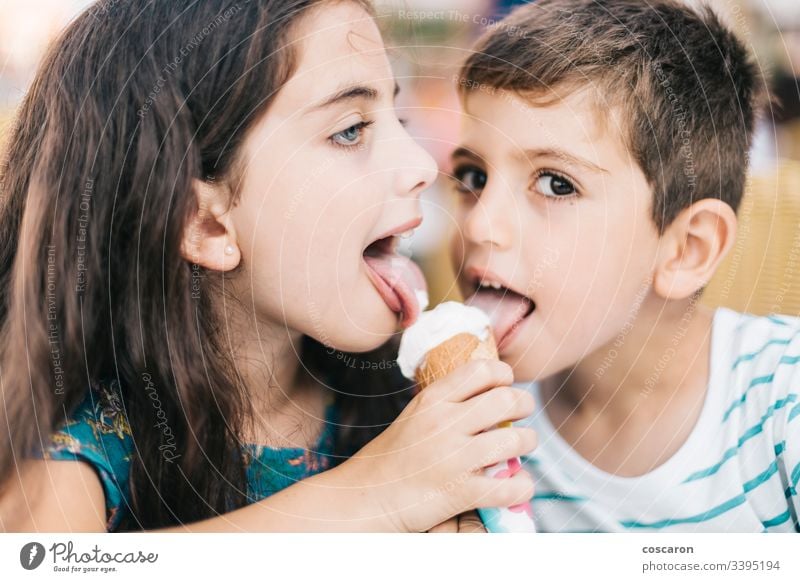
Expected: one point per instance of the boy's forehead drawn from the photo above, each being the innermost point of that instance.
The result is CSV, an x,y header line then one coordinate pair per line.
x,y
505,120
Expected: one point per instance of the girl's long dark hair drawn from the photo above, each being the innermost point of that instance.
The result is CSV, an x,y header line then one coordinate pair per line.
x,y
136,100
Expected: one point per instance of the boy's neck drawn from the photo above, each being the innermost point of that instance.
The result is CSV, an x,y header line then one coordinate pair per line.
x,y
665,350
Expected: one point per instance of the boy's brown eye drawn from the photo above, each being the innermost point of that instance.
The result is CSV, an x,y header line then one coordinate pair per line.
x,y
469,179
554,186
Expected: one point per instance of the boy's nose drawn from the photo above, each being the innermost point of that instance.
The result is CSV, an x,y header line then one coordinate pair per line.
x,y
488,222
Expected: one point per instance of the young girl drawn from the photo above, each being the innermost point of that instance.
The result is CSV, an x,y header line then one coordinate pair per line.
x,y
199,212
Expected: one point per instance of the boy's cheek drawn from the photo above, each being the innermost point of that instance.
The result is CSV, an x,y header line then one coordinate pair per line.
x,y
457,254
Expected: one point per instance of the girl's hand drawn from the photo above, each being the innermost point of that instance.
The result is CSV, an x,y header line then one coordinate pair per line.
x,y
426,467
465,523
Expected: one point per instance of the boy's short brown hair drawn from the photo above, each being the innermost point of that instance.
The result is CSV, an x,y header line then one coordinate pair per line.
x,y
686,86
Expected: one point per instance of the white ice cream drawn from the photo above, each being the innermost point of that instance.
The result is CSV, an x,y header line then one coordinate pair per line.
x,y
422,299
436,326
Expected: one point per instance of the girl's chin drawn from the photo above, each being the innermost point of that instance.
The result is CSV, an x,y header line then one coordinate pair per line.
x,y
365,336
360,346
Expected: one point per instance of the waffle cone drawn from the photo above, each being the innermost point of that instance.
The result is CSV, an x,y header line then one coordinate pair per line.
x,y
450,354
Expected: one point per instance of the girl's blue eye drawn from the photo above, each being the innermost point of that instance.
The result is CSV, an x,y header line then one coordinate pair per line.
x,y
554,186
351,136
469,179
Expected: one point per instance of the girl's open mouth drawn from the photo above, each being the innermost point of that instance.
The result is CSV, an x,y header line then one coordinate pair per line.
x,y
506,308
397,278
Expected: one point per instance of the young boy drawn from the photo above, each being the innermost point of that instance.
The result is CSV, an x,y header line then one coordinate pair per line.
x,y
603,156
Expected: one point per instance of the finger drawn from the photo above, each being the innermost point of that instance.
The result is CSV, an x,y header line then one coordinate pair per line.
x,y
470,522
502,404
501,444
470,379
449,526
493,492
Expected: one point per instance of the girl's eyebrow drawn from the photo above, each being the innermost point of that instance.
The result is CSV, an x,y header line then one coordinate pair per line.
x,y
350,93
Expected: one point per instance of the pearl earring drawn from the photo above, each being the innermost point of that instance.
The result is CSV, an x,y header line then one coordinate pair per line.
x,y
229,250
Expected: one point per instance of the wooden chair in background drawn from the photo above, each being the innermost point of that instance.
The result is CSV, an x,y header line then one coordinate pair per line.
x,y
761,274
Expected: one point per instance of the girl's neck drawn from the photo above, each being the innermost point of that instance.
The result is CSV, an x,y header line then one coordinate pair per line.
x,y
285,400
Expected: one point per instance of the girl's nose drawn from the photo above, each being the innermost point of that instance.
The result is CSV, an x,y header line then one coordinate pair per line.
x,y
418,172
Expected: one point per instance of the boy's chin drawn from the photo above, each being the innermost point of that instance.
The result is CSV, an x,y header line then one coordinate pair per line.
x,y
532,367
526,369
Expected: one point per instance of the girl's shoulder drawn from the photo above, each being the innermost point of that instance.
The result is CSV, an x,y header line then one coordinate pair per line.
x,y
97,432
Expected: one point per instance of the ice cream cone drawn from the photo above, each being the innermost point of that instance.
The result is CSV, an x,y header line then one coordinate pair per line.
x,y
442,340
451,353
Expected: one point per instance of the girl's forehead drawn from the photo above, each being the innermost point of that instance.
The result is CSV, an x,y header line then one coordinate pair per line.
x,y
334,54
335,38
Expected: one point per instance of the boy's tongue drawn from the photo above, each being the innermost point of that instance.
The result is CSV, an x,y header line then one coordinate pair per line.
x,y
504,308
401,284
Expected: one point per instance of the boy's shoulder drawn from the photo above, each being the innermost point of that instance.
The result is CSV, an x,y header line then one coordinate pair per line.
x,y
753,341
758,360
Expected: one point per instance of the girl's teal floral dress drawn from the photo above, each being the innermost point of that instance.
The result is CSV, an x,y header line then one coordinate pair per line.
x,y
98,433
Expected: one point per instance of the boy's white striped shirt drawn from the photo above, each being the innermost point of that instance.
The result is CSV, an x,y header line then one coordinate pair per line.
x,y
738,471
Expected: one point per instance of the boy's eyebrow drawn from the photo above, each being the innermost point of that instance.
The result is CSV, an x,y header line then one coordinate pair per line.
x,y
350,93
531,154
463,152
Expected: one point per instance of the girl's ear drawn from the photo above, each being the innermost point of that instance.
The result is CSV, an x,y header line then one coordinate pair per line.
x,y
209,238
692,248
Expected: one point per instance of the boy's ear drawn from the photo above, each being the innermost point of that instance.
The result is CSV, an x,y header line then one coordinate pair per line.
x,y
692,248
209,238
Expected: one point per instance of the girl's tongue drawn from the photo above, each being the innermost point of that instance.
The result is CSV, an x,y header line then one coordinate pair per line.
x,y
505,308
399,281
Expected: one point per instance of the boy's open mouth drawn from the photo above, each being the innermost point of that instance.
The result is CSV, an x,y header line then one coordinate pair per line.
x,y
397,278
506,308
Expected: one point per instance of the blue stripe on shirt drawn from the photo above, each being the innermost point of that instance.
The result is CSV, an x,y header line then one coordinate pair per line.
x,y
795,475
752,484
793,414
705,516
748,434
778,519
555,495
785,360
741,400
752,355
790,360
762,477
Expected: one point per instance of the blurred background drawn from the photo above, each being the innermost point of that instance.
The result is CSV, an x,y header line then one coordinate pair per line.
x,y
427,41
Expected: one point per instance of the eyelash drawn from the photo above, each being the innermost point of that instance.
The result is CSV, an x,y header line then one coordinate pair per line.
x,y
460,171
458,178
559,176
360,127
